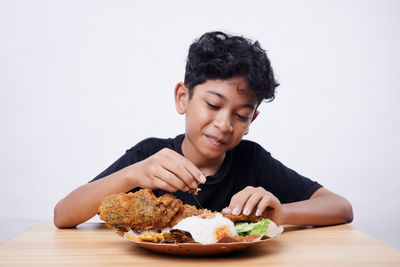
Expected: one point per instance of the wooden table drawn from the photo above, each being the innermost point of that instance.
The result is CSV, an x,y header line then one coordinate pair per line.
x,y
95,245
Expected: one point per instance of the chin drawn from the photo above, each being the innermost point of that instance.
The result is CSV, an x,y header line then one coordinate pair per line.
x,y
213,153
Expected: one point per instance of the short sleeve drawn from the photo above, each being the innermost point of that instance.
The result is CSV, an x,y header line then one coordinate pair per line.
x,y
286,184
130,157
139,152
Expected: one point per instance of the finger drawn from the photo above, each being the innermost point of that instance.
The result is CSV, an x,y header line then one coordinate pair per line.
x,y
266,201
195,173
174,166
262,205
171,179
252,202
227,210
239,200
160,184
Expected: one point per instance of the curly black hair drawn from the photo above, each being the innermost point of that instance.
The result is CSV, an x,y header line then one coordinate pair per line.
x,y
217,55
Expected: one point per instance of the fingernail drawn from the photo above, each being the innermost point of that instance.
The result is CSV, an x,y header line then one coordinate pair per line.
x,y
194,185
227,210
246,211
258,212
202,179
235,211
187,188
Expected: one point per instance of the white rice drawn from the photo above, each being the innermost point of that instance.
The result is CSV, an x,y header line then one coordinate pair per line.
x,y
207,231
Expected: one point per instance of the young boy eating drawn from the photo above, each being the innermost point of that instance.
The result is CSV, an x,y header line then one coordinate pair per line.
x,y
226,79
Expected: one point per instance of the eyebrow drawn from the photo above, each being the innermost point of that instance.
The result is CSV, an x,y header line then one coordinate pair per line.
x,y
250,106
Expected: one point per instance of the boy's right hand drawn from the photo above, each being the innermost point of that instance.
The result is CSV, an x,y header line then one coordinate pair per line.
x,y
167,170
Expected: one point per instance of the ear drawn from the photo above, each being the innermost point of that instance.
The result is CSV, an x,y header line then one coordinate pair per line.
x,y
255,115
252,119
181,97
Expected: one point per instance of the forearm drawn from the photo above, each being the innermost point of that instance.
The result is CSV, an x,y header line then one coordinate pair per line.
x,y
323,208
82,203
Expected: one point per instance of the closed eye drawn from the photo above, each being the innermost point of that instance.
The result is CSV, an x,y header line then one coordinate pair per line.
x,y
243,118
212,106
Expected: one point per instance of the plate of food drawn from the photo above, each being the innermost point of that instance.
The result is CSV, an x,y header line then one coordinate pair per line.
x,y
196,249
167,226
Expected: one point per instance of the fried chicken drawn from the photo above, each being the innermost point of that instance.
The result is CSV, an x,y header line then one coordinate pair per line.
x,y
143,211
184,212
247,218
243,218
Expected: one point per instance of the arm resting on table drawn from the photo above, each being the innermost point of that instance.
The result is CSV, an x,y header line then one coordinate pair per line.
x,y
323,208
83,203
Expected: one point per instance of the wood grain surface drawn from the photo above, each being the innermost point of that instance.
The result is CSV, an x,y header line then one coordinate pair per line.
x,y
92,244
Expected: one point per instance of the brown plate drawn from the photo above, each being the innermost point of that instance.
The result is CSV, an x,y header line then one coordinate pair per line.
x,y
196,249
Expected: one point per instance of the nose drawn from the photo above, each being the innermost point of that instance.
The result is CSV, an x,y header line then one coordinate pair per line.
x,y
223,122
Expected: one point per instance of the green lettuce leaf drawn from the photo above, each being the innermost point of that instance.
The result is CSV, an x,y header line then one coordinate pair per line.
x,y
258,228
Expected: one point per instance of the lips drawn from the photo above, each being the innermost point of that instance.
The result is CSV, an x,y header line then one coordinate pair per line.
x,y
215,141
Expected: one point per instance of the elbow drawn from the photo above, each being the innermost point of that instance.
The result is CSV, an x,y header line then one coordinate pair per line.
x,y
58,223
346,212
350,215
59,217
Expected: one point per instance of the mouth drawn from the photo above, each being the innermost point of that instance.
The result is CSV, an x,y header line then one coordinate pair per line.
x,y
215,141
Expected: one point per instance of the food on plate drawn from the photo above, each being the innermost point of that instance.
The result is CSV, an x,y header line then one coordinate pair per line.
x,y
245,218
165,236
142,211
153,237
141,216
264,227
207,230
216,228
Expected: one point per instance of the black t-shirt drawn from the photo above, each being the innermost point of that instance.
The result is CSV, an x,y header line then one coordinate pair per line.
x,y
248,164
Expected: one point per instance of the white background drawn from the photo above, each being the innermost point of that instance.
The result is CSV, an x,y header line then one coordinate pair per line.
x,y
82,81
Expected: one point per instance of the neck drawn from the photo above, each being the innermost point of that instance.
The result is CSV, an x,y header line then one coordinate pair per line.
x,y
206,165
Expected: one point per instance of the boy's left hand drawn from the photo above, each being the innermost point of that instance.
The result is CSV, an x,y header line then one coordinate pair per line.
x,y
256,200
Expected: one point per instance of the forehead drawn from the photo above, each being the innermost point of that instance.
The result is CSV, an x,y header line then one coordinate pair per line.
x,y
233,89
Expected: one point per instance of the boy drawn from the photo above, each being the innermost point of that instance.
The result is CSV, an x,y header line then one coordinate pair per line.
x,y
226,78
